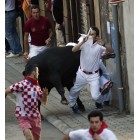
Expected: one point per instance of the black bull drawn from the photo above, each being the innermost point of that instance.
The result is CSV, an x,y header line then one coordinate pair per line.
x,y
57,68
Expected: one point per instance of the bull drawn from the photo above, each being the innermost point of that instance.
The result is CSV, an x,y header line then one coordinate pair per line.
x,y
57,68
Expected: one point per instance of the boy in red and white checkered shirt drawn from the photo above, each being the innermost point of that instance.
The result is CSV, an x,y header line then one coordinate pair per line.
x,y
28,93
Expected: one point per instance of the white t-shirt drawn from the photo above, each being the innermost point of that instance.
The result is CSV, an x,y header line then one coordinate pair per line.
x,y
91,55
83,134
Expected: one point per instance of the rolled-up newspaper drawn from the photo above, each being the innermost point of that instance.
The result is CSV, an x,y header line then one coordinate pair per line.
x,y
90,40
84,35
89,31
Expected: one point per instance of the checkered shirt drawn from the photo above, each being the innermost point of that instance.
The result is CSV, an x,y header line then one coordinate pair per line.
x,y
27,98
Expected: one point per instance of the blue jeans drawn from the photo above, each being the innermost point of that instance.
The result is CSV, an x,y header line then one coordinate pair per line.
x,y
7,47
11,32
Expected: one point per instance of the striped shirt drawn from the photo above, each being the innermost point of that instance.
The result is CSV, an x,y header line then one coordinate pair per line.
x,y
91,55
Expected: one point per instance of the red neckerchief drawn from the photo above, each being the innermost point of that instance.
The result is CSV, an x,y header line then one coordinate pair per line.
x,y
33,81
103,126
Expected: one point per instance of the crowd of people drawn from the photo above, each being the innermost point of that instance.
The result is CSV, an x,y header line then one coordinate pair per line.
x,y
37,38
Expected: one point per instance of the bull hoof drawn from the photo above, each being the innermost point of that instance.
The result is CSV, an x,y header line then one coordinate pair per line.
x,y
81,108
64,102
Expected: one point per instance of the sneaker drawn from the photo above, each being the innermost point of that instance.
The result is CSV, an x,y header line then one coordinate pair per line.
x,y
12,55
99,106
7,53
109,84
115,1
75,108
20,53
106,103
106,88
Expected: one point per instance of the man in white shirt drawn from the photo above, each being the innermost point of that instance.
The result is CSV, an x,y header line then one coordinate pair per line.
x,y
98,129
105,79
88,72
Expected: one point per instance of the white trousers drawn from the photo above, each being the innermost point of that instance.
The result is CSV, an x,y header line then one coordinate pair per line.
x,y
103,81
35,50
81,80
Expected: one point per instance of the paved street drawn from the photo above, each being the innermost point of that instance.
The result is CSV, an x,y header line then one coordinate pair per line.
x,y
13,131
58,115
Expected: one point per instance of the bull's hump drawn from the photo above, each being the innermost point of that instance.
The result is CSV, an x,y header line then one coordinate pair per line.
x,y
61,48
55,51
58,54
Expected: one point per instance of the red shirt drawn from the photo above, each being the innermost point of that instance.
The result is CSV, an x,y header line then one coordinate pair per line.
x,y
38,29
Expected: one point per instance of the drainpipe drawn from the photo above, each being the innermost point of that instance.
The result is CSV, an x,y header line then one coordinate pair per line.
x,y
118,56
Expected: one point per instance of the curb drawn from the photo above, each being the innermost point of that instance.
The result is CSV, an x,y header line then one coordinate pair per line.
x,y
59,124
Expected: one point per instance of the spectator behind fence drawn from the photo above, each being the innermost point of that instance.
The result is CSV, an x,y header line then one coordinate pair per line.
x,y
11,34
